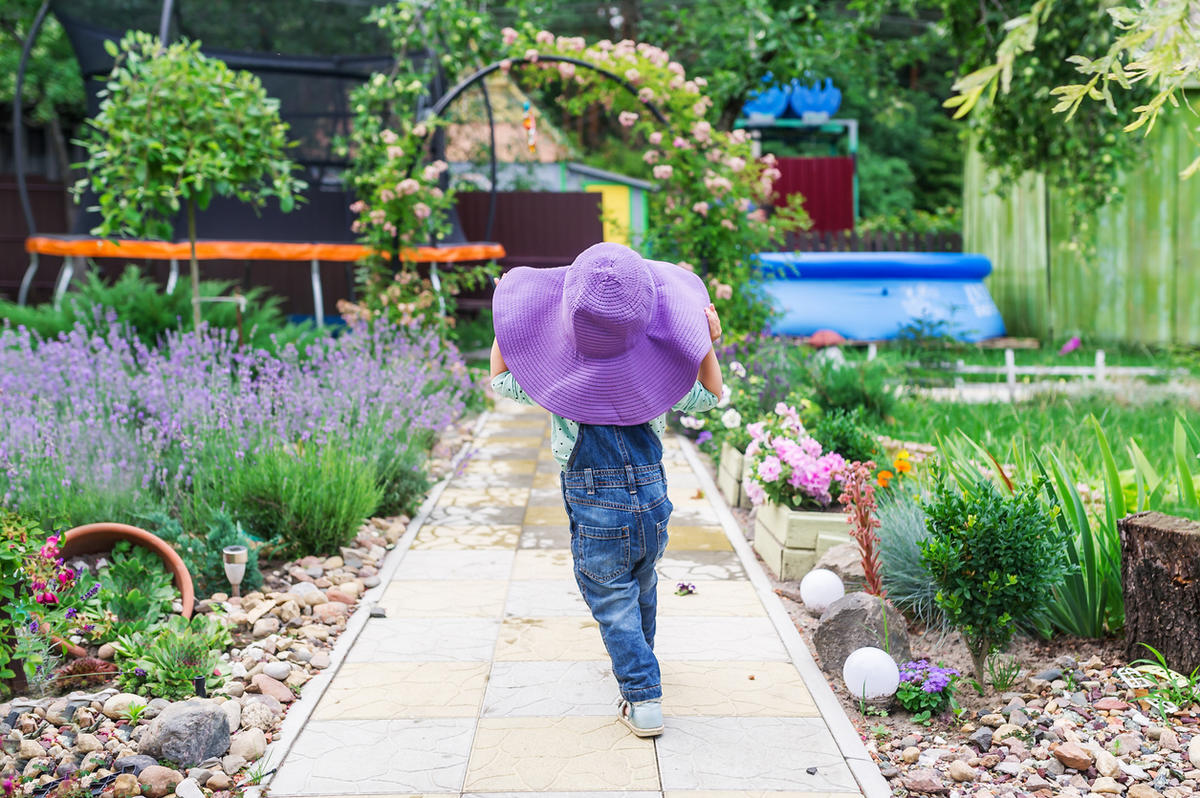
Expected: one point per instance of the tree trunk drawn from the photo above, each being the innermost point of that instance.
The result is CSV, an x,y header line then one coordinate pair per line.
x,y
1160,573
195,266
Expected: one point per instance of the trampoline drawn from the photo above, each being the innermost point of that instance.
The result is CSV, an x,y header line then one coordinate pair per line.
x,y
870,296
300,58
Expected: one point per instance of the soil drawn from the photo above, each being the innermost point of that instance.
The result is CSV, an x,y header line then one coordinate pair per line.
x,y
1032,654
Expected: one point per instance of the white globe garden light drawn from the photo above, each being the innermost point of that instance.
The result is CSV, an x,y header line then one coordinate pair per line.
x,y
871,674
819,588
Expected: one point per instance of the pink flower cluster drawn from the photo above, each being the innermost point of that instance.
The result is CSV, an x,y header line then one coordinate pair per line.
x,y
789,464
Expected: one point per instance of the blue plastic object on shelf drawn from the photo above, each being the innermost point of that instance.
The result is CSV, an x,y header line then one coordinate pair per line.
x,y
874,295
771,100
814,99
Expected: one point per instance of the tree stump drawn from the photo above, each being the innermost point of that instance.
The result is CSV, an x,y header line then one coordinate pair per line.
x,y
1160,574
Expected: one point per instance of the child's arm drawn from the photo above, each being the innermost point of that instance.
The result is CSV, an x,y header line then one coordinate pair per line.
x,y
498,364
710,369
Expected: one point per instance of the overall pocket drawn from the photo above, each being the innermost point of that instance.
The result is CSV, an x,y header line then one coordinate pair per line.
x,y
603,552
661,534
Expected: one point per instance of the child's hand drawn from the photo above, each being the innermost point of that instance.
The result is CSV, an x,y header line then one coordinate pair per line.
x,y
714,322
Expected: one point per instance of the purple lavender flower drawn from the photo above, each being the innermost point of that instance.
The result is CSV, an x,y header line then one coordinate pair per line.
x,y
91,591
139,672
33,626
71,613
704,437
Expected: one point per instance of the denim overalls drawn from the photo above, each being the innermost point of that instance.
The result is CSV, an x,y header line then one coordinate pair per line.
x,y
615,491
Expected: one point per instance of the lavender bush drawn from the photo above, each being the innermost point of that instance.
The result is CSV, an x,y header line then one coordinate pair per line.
x,y
103,427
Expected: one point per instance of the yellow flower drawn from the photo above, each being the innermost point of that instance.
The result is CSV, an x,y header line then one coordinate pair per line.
x,y
902,466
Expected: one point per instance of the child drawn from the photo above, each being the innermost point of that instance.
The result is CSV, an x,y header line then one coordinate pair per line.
x,y
608,345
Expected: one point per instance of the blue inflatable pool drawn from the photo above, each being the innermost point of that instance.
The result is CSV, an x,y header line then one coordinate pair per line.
x,y
873,295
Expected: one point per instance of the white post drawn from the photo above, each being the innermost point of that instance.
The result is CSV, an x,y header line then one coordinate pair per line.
x,y
173,276
318,294
1010,367
1101,371
871,351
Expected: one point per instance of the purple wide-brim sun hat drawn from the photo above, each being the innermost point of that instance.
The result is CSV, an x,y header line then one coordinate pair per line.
x,y
611,339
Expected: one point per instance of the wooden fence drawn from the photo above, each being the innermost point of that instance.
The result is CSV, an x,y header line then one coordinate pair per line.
x,y
874,241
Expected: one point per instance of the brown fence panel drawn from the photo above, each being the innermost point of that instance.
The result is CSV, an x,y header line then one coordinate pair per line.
x,y
48,201
874,241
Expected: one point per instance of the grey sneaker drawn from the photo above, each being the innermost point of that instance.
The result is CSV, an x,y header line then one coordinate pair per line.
x,y
644,718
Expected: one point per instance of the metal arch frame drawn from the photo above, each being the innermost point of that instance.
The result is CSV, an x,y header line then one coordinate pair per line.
x,y
39,20
477,77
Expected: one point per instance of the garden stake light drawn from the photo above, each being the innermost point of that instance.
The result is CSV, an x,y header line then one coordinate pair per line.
x,y
235,558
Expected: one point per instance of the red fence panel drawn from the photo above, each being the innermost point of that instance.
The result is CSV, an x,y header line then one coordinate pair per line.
x,y
827,185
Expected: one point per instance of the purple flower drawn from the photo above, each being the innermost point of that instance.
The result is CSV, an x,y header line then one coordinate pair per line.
x,y
33,626
704,437
91,591
71,613
139,672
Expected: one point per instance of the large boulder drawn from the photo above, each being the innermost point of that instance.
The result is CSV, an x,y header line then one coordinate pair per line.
x,y
857,620
845,560
187,733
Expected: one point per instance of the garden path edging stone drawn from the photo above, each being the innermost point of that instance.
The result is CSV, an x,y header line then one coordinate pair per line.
x,y
302,709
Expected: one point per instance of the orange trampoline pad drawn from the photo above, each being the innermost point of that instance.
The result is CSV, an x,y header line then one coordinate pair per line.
x,y
246,250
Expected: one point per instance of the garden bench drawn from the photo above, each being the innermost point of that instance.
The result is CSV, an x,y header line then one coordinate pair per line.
x,y
72,248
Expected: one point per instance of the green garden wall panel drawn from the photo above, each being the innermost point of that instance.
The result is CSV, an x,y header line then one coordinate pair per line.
x,y
1010,230
1131,272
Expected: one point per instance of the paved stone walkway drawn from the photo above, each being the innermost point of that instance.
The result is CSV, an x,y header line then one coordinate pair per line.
x,y
488,675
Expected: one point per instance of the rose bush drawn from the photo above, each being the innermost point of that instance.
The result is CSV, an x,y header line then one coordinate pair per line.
x,y
710,209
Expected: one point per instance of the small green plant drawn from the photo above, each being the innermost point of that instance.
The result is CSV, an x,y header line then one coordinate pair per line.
x,y
994,559
1004,671
880,732
135,588
306,501
926,689
134,712
848,386
1169,687
846,432
402,476
165,661
258,771
905,577
84,672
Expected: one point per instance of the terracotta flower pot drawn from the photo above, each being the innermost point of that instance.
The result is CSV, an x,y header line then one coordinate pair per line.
x,y
94,538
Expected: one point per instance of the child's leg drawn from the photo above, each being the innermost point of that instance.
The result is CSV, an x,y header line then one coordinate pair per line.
x,y
647,576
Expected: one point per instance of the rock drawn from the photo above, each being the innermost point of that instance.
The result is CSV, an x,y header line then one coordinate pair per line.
x,y
233,715
1018,718
265,626
923,780
188,788
1127,744
1007,730
353,589
911,754
232,763
1073,755
138,762
1008,768
370,581
289,610
187,733
277,670
155,708
378,612
1107,764
330,611
1104,784
117,706
1050,675
320,660
30,749
961,771
303,589
314,571
257,716
845,560
340,596
300,654
994,719
315,631
200,774
158,781
1168,740
218,781
126,786
249,744
59,713
313,599
235,689
106,651
274,688
297,678
1110,704
856,620
84,717
333,563
1193,751
1143,791
66,769
982,738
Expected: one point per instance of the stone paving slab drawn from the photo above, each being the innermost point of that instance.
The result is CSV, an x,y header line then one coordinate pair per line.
x,y
488,676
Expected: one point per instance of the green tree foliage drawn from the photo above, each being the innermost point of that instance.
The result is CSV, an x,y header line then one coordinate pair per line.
x,y
177,128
